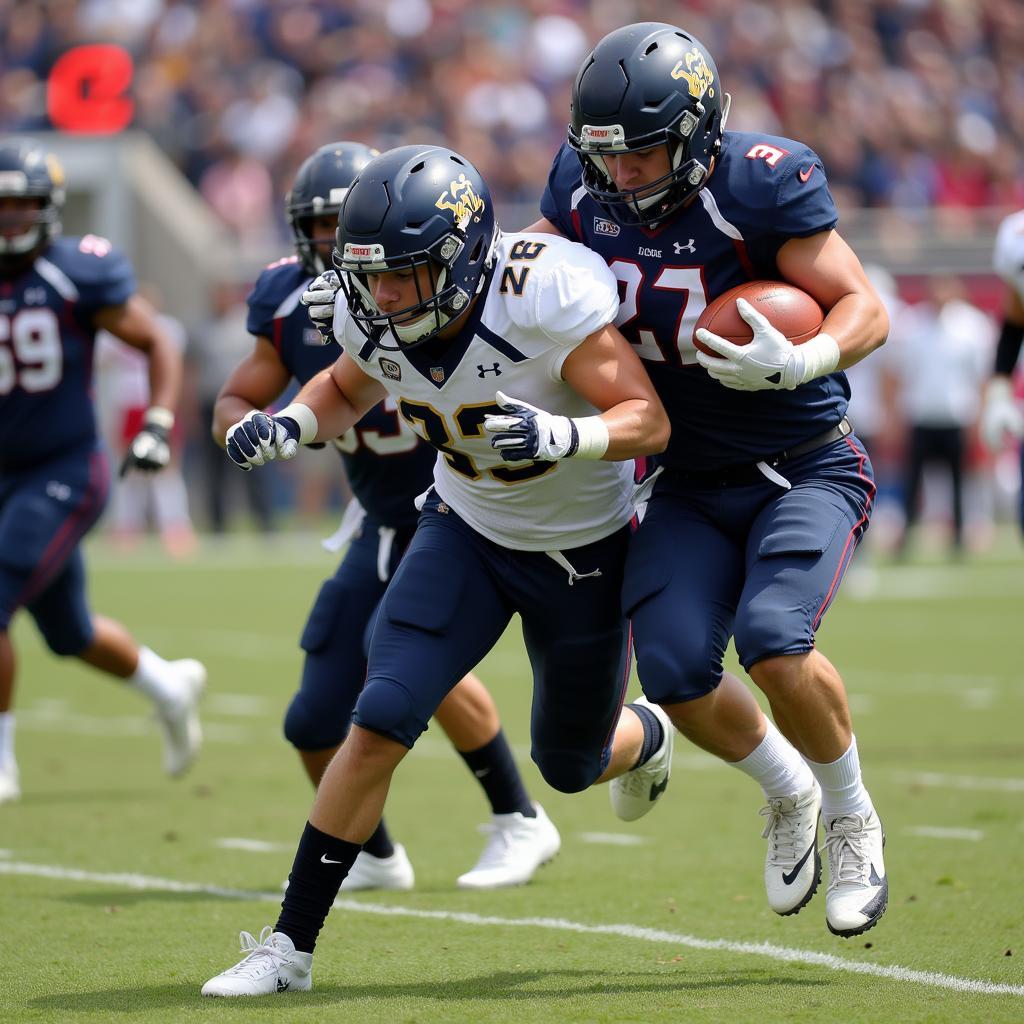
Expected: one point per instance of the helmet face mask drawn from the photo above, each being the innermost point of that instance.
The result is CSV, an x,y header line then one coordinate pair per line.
x,y
643,86
320,187
427,211
31,198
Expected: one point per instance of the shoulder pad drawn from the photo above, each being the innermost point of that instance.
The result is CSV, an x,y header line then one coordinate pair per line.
x,y
556,286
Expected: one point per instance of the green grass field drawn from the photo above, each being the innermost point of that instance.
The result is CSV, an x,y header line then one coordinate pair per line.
x,y
119,896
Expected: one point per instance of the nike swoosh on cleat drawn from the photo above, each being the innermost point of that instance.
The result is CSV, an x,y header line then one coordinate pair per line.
x,y
804,175
282,985
789,877
657,788
324,859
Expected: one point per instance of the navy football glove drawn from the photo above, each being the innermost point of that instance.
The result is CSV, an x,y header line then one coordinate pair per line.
x,y
150,448
260,438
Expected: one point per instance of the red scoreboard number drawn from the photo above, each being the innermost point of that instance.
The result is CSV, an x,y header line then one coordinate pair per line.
x,y
88,90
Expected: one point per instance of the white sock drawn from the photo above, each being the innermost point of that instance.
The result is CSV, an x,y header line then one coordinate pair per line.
x,y
6,737
155,678
777,765
842,791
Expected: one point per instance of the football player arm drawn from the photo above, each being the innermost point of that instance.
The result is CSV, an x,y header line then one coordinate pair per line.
x,y
824,266
254,383
543,227
1001,416
136,324
606,371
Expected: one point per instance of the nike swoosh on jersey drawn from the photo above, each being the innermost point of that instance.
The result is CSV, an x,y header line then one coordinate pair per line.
x,y
789,877
805,174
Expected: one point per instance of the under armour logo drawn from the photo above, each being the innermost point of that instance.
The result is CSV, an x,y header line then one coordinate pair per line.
x,y
484,370
680,248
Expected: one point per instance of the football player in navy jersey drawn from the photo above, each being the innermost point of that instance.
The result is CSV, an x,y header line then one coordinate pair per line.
x,y
387,466
764,491
55,294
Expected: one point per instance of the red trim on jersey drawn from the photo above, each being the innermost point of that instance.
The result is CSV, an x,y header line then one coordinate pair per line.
x,y
622,693
851,537
278,331
744,257
577,224
70,533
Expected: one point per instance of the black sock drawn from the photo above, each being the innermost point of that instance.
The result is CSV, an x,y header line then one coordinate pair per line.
x,y
495,769
320,866
379,844
654,734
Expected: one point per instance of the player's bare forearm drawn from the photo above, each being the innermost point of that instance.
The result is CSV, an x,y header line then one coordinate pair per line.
x,y
340,396
136,324
827,268
635,427
254,383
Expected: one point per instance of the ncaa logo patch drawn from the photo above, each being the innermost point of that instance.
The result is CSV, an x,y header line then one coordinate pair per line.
x,y
390,369
606,227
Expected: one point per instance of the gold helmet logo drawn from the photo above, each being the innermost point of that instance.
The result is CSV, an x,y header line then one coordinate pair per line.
x,y
55,169
463,201
694,68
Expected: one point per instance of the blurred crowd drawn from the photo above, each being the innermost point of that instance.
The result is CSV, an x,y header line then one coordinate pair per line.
x,y
911,103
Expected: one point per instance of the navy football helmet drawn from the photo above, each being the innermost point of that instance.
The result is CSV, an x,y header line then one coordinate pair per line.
x,y
319,188
28,172
416,206
642,86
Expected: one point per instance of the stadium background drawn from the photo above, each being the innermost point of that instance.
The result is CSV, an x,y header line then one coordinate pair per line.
x,y
181,125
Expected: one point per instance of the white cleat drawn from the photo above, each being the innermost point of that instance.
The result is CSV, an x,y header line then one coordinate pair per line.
x,y
858,889
636,792
368,872
10,788
179,718
517,847
271,966
792,866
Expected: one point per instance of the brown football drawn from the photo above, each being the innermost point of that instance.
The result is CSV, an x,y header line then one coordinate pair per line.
x,y
795,313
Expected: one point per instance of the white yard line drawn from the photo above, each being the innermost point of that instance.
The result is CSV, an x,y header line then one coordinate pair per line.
x,y
975,783
974,835
253,845
767,950
613,838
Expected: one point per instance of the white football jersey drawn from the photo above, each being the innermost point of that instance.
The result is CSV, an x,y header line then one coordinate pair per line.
x,y
1008,259
546,296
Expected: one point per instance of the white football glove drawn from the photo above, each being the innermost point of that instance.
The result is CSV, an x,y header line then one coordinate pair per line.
x,y
770,360
1001,416
319,300
532,433
259,439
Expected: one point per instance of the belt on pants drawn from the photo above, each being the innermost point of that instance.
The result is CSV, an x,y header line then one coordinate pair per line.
x,y
755,472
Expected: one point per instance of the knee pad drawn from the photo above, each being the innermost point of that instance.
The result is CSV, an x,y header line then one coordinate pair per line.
x,y
568,771
676,666
310,725
388,708
764,629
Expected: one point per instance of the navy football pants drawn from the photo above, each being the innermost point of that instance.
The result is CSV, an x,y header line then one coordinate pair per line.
x,y
448,604
756,562
44,514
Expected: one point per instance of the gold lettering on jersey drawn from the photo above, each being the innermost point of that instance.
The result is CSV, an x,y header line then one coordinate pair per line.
x,y
463,201
694,68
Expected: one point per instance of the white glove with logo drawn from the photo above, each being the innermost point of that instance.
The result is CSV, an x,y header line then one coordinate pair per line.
x,y
532,433
1001,417
319,300
150,448
770,360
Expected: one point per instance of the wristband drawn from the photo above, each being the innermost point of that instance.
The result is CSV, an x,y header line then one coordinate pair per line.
x,y
158,416
820,355
593,437
305,418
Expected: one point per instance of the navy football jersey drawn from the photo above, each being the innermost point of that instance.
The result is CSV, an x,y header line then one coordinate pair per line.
x,y
386,462
47,337
764,191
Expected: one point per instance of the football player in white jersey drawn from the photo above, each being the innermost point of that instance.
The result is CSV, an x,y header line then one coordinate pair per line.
x,y
1001,416
501,352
